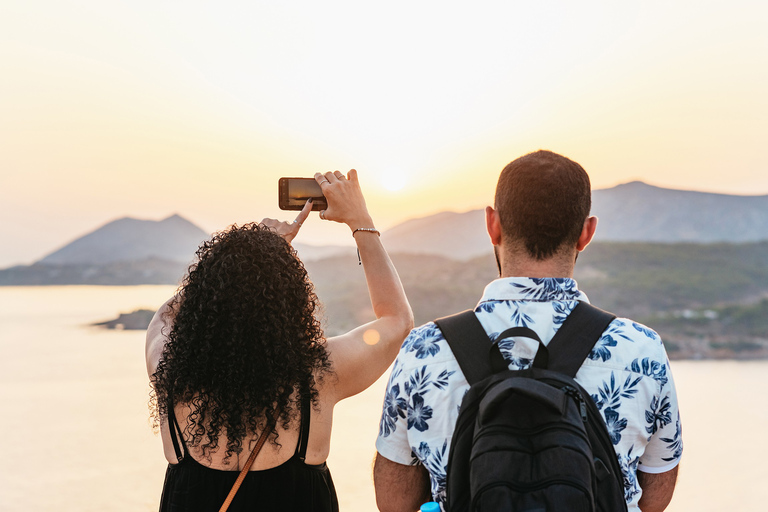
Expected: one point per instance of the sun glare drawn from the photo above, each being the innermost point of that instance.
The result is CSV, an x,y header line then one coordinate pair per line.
x,y
393,180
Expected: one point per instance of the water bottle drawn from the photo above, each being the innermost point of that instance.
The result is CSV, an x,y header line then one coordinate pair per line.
x,y
430,507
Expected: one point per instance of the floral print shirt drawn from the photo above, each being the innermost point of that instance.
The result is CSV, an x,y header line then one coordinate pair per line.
x,y
627,374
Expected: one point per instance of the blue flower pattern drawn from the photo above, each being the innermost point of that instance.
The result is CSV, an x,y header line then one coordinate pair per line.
x,y
602,348
629,381
628,464
562,310
650,333
518,317
486,307
675,443
609,399
654,369
418,413
436,462
426,344
657,415
546,289
394,407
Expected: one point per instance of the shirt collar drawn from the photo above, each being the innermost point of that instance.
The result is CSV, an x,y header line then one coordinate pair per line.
x,y
535,289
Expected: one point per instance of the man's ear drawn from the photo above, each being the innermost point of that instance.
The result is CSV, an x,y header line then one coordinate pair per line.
x,y
587,232
493,225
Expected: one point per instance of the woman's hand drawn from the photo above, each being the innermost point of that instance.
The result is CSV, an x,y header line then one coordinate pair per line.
x,y
289,230
345,199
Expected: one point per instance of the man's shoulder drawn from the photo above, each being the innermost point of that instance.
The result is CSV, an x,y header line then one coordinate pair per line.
x,y
427,330
632,331
630,346
424,344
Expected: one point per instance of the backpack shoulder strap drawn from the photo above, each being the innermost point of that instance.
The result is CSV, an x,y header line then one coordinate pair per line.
x,y
477,356
469,343
576,338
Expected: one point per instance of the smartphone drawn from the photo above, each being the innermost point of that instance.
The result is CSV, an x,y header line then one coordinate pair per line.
x,y
294,192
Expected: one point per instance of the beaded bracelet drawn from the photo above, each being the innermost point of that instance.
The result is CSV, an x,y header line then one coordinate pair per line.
x,y
369,230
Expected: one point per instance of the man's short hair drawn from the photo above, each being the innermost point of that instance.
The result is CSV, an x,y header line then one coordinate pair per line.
x,y
543,199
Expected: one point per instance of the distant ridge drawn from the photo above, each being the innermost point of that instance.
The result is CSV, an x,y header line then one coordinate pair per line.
x,y
128,239
452,235
132,251
632,212
639,212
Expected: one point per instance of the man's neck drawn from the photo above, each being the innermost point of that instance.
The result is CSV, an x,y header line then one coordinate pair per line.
x,y
517,265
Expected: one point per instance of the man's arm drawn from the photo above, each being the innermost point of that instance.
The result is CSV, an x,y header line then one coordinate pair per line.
x,y
400,488
657,489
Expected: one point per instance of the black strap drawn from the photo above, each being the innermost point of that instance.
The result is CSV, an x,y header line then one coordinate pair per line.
x,y
542,356
173,426
301,447
479,358
476,355
576,338
469,343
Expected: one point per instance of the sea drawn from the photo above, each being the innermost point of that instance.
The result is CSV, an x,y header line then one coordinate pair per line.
x,y
76,434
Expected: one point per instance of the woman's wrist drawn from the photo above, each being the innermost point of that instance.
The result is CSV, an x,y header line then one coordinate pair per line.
x,y
362,222
365,227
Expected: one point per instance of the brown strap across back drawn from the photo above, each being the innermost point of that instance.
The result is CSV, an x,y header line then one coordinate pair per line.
x,y
256,449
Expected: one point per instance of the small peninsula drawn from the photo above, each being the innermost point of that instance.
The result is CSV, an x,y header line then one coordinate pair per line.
x,y
134,321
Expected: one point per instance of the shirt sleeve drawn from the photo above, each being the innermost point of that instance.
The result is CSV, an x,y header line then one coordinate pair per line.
x,y
665,448
392,442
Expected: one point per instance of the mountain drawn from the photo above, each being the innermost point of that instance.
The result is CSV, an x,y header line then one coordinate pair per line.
x,y
132,251
128,239
632,212
638,212
126,251
459,236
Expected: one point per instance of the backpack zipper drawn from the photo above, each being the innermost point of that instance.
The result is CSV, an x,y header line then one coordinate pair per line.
x,y
574,393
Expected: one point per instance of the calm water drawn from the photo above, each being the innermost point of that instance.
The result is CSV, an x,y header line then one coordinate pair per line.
x,y
76,435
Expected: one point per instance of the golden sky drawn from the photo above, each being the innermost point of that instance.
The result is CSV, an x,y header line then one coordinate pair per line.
x,y
144,109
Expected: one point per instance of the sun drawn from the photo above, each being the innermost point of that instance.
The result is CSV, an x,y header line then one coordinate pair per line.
x,y
393,180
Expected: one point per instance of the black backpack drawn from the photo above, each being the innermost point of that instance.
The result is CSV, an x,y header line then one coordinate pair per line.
x,y
530,440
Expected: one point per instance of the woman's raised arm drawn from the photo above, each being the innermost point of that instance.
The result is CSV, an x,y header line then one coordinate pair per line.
x,y
362,355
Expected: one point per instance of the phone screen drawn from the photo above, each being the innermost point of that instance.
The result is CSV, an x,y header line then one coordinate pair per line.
x,y
294,193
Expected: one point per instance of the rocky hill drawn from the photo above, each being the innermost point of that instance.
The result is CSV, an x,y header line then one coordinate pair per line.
x,y
639,212
128,239
458,236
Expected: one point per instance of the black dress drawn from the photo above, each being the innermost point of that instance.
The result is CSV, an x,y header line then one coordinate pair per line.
x,y
293,486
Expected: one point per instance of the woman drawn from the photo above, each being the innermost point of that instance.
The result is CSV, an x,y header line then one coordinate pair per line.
x,y
240,345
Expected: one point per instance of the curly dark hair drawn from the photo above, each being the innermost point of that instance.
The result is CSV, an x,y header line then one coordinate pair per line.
x,y
245,341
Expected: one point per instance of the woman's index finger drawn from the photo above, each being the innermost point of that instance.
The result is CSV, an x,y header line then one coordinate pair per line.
x,y
304,213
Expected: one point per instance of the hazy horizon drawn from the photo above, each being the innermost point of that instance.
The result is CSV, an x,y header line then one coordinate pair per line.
x,y
343,240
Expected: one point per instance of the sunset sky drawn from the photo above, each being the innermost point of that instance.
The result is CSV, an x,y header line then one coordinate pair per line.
x,y
145,109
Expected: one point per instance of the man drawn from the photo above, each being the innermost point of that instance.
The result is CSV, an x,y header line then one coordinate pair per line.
x,y
538,226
